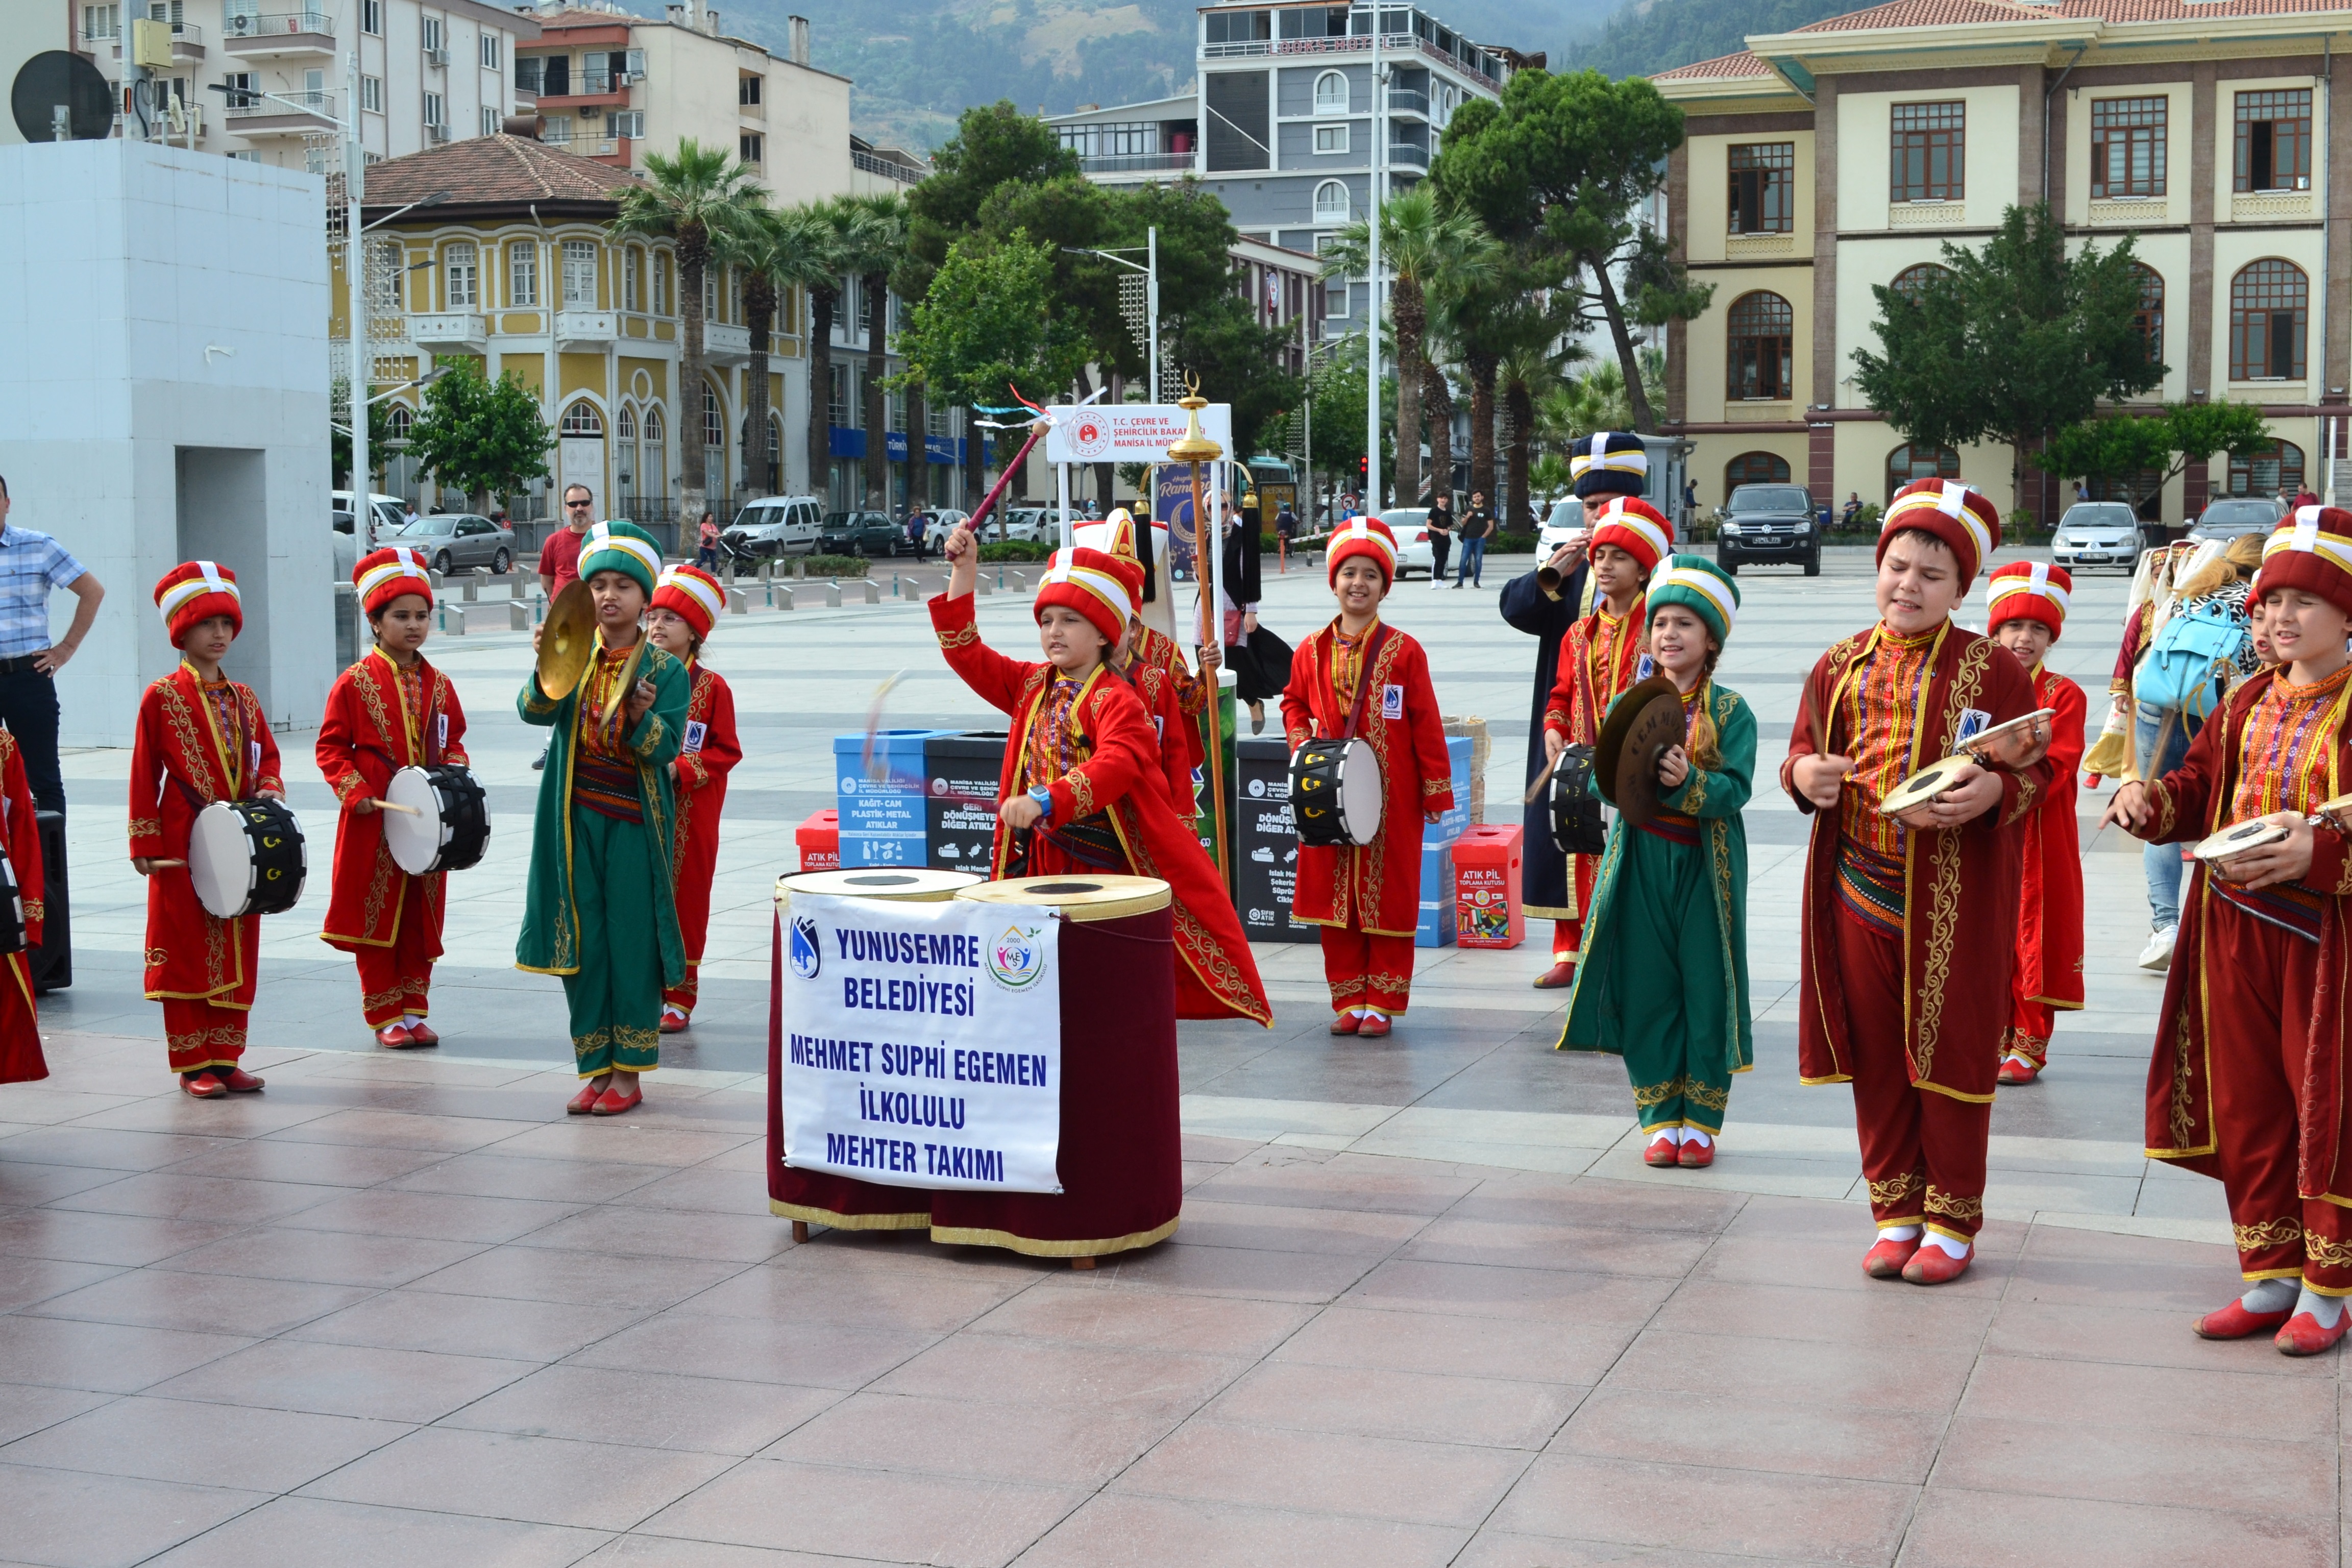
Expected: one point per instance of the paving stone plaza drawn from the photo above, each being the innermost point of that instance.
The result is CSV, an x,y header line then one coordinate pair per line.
x,y
1426,1304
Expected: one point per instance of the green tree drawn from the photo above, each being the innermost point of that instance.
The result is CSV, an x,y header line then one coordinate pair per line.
x,y
841,225
1239,362
2012,342
1335,394
483,437
2118,448
685,195
775,252
872,250
993,144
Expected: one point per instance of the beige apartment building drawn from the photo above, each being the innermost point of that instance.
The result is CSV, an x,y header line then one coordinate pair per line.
x,y
1845,154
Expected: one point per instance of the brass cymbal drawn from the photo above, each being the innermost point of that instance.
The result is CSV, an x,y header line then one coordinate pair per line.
x,y
567,640
1639,728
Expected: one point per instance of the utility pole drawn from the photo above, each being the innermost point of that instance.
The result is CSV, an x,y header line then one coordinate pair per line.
x,y
1372,309
1152,304
355,291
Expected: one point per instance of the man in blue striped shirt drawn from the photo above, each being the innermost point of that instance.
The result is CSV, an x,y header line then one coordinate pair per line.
x,y
30,565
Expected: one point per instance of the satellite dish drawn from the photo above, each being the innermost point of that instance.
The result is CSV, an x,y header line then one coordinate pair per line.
x,y
56,79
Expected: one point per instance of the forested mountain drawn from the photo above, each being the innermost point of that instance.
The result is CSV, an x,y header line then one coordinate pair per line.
x,y
1651,36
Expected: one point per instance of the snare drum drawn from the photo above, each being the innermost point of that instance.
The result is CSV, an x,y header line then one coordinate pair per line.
x,y
1335,792
246,858
451,829
1577,826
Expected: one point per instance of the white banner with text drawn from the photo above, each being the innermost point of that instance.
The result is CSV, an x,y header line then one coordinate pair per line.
x,y
922,1043
1129,432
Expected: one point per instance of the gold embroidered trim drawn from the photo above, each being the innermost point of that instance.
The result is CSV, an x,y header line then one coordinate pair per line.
x,y
146,827
2270,1233
1894,1189
1952,1205
2325,1251
1437,787
963,637
1682,1086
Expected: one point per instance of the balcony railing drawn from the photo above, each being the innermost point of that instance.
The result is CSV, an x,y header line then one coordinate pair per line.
x,y
275,23
253,106
1405,155
1409,100
595,81
1353,43
1136,162
890,169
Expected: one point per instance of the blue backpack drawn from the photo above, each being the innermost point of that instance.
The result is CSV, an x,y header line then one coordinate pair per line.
x,y
2187,666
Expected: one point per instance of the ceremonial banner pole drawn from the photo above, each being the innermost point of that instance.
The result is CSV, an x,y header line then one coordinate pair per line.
x,y
1194,447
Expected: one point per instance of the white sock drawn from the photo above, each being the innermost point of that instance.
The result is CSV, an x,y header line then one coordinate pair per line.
x,y
672,1012
2021,1061
1693,1135
1952,1245
2270,1296
1674,1135
2327,1309
412,1019
1898,1233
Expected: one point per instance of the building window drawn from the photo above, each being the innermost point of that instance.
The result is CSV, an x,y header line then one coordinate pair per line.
x,y
1912,281
625,426
1239,26
388,265
709,293
527,75
1905,465
1754,468
371,93
372,18
2148,319
580,273
629,262
1331,138
461,277
1927,156
661,285
398,421
493,51
2126,147
714,429
433,109
1331,202
2277,472
581,419
749,146
748,88
629,124
433,35
1762,338
1764,188
836,397
2270,305
522,273
489,121
100,22
1332,93
2274,140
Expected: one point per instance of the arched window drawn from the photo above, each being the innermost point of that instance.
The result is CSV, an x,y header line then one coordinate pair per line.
x,y
1754,468
398,421
581,419
2277,472
653,464
1332,93
628,423
1912,281
1761,329
1906,464
714,429
625,453
653,425
2269,314
1331,202
776,453
2149,318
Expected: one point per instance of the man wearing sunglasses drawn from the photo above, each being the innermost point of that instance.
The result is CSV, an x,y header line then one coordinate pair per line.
x,y
558,558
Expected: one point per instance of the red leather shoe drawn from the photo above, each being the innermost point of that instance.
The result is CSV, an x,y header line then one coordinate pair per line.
x,y
1933,1265
1886,1260
612,1102
423,1035
1374,1026
203,1086
1661,1152
2234,1322
395,1036
2016,1069
671,1023
1559,976
1346,1024
1695,1156
2304,1336
585,1100
237,1081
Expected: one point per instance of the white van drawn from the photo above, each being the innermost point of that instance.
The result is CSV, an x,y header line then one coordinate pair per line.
x,y
775,526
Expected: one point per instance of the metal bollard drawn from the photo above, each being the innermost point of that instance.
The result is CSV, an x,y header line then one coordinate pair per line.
x,y
833,593
779,598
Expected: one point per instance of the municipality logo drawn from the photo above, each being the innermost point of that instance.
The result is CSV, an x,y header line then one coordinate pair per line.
x,y
1016,961
803,954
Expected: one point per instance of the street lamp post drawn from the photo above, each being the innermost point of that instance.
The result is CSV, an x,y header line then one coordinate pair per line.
x,y
1372,307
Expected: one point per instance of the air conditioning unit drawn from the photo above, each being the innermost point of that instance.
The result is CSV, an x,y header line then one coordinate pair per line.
x,y
436,134
438,57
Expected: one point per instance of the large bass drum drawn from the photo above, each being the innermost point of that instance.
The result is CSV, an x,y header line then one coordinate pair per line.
x,y
1335,792
246,858
451,829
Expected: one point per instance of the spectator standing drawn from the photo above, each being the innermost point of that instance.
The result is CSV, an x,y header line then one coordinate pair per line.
x,y
1286,526
408,517
2305,498
31,564
919,528
706,543
1690,506
1441,538
558,559
1477,525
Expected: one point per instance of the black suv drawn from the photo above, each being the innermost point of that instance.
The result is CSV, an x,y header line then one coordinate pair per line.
x,y
1770,523
864,534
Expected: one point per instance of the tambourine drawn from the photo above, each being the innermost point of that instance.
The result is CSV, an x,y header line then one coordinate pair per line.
x,y
2238,839
1924,785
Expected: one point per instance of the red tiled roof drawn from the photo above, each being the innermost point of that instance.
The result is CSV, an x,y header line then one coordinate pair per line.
x,y
2170,10
1956,13
494,171
1742,64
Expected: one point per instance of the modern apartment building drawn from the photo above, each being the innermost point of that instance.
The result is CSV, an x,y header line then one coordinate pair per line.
x,y
1844,154
429,72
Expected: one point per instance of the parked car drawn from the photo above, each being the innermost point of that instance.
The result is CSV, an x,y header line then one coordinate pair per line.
x,y
1774,524
452,542
391,514
2097,533
945,520
1410,527
864,534
2226,520
775,526
1565,519
1037,523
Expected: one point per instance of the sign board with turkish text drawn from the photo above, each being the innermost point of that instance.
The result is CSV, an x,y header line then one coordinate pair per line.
x,y
1129,432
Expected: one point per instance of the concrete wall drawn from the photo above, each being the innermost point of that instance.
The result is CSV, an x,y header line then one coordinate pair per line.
x,y
167,387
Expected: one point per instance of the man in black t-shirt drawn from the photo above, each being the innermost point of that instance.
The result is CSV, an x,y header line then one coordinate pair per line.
x,y
1478,526
1441,538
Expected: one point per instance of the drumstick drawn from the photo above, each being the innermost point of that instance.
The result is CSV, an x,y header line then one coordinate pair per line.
x,y
404,810
166,865
874,727
1542,779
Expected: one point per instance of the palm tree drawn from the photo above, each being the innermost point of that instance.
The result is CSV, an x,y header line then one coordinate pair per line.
x,y
685,195
775,252
1532,364
875,250
1423,247
846,223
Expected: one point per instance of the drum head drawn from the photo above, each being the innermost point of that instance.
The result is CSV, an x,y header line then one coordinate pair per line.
x,y
1078,897
1646,720
2238,839
220,860
414,841
1359,793
1924,786
915,884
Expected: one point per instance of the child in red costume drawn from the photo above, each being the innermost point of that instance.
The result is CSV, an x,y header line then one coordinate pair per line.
x,y
1150,662
390,710
2248,1081
684,612
1361,678
20,1037
200,738
1909,921
1082,787
2025,609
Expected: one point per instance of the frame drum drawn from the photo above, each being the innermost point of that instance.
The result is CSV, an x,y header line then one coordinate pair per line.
x,y
451,829
246,858
1335,792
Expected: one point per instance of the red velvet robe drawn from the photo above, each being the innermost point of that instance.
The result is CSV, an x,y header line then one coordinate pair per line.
x,y
1178,738
1960,884
2192,802
181,762
364,740
705,758
20,1036
1374,887
1120,773
2050,906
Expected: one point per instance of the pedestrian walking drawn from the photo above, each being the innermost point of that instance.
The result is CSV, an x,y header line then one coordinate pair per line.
x,y
1478,526
705,553
31,564
1441,539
